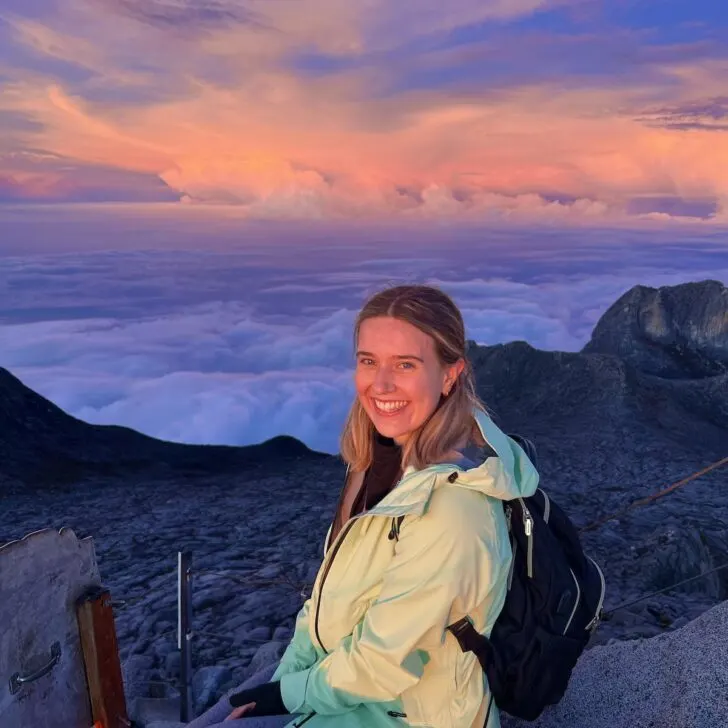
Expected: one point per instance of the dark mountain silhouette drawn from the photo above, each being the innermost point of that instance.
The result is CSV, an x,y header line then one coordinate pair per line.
x,y
41,444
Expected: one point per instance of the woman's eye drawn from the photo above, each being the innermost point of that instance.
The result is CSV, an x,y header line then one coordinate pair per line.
x,y
407,364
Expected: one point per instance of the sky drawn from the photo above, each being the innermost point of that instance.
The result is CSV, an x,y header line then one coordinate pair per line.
x,y
478,110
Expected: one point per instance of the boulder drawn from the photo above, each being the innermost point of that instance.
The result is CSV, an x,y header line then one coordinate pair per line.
x,y
676,680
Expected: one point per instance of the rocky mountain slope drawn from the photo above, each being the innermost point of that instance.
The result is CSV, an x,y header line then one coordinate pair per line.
x,y
644,404
656,366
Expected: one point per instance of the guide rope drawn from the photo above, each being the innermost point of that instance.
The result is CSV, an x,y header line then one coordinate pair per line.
x,y
651,498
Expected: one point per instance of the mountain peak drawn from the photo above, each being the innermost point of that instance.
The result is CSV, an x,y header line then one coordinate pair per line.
x,y
675,332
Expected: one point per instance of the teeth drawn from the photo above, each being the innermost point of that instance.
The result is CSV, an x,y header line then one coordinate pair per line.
x,y
389,406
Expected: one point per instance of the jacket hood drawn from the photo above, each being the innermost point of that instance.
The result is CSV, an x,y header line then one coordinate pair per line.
x,y
509,475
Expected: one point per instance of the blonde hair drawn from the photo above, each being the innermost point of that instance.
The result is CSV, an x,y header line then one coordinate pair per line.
x,y
433,312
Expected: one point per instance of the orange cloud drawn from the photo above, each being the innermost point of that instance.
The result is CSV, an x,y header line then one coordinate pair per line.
x,y
284,142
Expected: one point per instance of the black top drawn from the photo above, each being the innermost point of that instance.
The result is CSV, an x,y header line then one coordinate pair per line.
x,y
381,476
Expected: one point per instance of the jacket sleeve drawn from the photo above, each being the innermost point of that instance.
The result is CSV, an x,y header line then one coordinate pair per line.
x,y
300,652
438,560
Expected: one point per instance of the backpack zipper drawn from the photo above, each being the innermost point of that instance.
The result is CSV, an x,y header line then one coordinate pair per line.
x,y
546,506
576,602
514,547
598,614
528,528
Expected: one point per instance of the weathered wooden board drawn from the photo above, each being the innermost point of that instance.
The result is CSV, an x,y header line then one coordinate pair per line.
x,y
41,577
101,656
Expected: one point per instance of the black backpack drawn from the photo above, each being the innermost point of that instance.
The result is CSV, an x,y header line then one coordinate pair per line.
x,y
553,605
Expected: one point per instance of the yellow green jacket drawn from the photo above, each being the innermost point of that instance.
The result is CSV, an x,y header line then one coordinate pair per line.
x,y
370,647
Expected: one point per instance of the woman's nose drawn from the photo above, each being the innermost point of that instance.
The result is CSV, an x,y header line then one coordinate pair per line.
x,y
383,380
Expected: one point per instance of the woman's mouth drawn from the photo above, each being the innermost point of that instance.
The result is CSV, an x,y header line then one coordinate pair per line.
x,y
389,408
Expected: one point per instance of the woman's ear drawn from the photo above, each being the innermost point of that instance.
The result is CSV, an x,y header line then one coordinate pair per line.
x,y
451,376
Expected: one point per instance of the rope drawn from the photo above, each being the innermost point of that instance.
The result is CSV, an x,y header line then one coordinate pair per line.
x,y
666,589
651,498
228,637
283,580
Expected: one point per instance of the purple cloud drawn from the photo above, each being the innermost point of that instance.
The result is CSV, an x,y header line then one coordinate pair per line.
x,y
709,114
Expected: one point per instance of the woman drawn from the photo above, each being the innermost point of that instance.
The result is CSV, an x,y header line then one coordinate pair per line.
x,y
418,542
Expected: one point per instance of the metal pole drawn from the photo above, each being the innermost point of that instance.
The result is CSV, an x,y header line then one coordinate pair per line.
x,y
184,632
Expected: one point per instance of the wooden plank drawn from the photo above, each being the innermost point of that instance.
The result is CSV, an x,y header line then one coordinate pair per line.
x,y
41,576
101,657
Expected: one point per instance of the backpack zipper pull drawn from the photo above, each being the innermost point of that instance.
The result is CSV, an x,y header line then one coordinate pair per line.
x,y
528,529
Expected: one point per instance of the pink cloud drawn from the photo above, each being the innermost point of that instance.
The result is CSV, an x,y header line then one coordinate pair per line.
x,y
282,143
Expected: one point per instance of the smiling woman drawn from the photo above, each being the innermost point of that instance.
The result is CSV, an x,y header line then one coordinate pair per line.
x,y
419,539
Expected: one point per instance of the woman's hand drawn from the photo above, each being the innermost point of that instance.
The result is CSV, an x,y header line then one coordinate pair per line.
x,y
241,711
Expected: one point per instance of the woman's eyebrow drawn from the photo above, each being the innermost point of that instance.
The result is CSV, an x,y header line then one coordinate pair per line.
x,y
397,356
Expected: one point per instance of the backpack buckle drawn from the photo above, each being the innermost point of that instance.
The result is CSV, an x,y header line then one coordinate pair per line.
x,y
592,626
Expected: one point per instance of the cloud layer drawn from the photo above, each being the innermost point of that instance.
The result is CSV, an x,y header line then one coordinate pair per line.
x,y
239,342
481,110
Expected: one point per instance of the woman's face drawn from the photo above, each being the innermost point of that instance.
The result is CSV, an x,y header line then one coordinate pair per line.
x,y
399,378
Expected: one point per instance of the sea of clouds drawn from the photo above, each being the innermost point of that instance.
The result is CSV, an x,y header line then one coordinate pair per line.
x,y
226,333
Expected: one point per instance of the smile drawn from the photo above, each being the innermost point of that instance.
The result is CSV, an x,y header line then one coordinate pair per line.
x,y
389,408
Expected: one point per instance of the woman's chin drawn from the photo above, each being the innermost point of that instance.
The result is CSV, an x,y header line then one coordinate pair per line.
x,y
394,430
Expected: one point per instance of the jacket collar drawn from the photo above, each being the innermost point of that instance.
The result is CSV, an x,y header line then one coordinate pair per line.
x,y
412,493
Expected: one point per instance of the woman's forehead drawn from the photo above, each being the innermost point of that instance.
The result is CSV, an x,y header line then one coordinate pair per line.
x,y
390,336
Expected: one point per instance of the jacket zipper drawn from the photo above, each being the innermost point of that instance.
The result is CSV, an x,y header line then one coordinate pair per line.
x,y
304,720
339,540
336,548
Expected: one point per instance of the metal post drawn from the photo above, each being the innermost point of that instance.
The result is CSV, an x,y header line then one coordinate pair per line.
x,y
184,632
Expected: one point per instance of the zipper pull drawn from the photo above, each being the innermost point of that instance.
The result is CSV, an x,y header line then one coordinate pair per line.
x,y
394,531
527,518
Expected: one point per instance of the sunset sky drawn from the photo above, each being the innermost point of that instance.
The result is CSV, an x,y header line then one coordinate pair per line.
x,y
474,109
